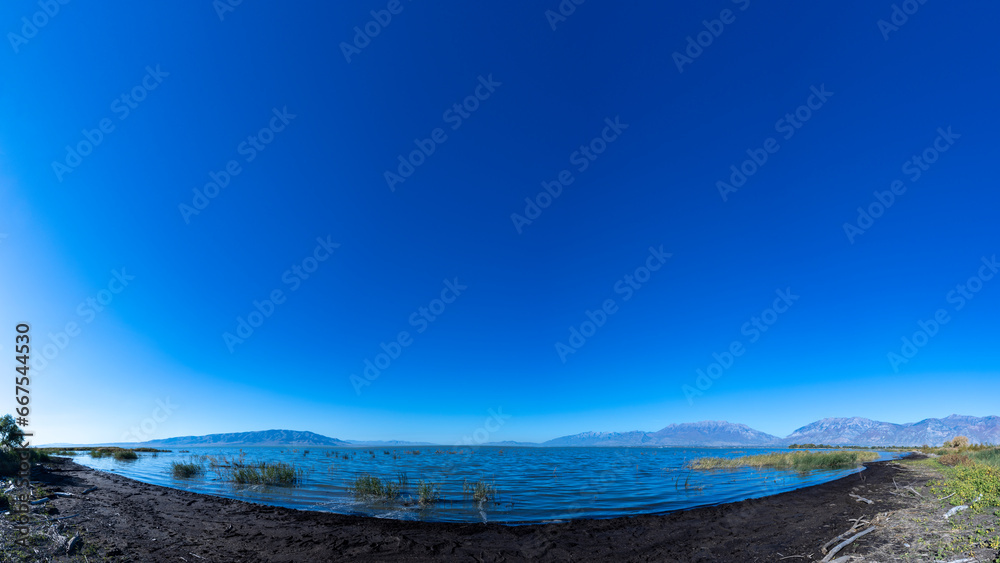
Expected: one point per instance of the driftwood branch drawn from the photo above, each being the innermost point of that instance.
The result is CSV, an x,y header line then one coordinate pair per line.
x,y
853,529
861,499
846,543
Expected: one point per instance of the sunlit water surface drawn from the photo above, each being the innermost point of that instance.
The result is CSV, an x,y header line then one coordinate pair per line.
x,y
535,484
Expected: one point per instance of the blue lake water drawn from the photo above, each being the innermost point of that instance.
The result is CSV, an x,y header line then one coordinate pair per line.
x,y
535,484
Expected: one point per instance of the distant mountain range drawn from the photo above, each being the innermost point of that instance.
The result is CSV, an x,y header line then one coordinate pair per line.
x,y
833,431
260,438
930,431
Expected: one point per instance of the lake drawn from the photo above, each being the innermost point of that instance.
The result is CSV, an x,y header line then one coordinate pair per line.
x,y
534,484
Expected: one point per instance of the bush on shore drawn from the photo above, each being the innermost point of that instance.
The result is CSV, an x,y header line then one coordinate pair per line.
x,y
957,442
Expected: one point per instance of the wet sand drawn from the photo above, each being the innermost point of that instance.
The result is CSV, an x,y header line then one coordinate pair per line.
x,y
126,520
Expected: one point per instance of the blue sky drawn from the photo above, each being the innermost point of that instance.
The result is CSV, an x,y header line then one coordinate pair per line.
x,y
116,118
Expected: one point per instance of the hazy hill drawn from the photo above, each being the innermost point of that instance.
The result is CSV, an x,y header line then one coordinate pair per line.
x,y
259,438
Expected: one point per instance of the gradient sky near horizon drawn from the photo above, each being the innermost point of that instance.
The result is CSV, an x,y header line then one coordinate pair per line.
x,y
197,85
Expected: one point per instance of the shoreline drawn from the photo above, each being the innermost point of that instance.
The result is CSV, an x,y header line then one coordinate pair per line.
x,y
128,520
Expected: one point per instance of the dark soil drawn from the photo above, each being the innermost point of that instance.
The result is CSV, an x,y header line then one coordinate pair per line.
x,y
125,520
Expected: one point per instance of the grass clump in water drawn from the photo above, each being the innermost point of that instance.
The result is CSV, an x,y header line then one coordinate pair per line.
x,y
265,473
185,470
800,461
369,488
427,493
481,491
121,454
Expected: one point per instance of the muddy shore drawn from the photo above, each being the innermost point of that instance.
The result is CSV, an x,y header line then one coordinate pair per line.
x,y
126,520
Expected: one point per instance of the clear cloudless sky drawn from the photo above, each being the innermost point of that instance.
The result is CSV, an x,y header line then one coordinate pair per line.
x,y
198,85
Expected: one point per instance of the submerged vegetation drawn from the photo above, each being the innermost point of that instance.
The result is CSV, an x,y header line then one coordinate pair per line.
x,y
368,488
125,455
800,461
265,473
186,470
427,493
120,454
481,491
239,471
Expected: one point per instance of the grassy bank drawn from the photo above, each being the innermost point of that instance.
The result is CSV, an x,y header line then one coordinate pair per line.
x,y
972,477
968,490
800,461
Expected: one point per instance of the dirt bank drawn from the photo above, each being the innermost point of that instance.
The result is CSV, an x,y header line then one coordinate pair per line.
x,y
125,520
